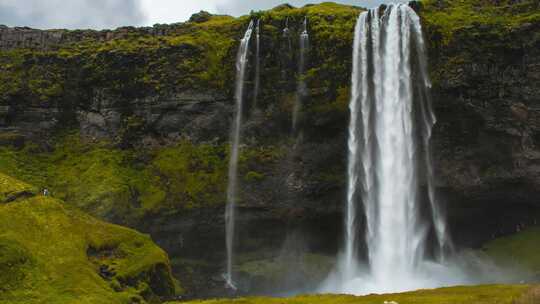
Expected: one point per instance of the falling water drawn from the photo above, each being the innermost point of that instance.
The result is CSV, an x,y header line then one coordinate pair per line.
x,y
287,34
257,64
386,147
241,63
428,118
359,79
301,86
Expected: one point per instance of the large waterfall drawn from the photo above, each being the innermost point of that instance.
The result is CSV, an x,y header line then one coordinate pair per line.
x,y
241,63
389,164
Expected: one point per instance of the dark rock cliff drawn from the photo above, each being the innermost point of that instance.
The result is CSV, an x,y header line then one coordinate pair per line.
x,y
486,94
135,93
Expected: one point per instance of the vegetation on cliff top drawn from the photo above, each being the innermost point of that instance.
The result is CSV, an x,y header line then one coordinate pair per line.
x,y
451,16
200,55
194,55
468,37
187,56
55,254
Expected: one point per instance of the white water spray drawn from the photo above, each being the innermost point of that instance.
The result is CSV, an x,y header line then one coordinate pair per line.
x,y
301,85
257,64
386,146
287,34
241,63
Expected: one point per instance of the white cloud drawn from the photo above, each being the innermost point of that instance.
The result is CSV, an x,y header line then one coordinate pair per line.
x,y
240,7
71,14
113,13
171,11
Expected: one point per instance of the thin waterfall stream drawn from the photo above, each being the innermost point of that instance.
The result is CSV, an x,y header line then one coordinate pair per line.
x,y
257,84
287,34
301,84
241,63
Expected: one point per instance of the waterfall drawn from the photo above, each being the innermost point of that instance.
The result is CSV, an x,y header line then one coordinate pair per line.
x,y
257,64
429,120
241,63
388,148
286,34
359,79
301,86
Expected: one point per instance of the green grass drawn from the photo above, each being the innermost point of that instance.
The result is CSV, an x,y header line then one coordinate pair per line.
x,y
521,250
125,185
51,253
11,188
501,16
489,294
190,56
193,175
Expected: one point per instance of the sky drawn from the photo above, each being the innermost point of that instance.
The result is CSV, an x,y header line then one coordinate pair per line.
x,y
101,14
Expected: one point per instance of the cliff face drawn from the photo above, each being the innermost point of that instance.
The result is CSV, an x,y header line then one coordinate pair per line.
x,y
132,126
484,61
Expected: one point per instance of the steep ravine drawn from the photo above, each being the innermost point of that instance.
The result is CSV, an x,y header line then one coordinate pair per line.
x,y
143,117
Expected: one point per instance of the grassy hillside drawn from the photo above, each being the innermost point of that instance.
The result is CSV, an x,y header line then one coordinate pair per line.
x,y
123,185
519,251
50,253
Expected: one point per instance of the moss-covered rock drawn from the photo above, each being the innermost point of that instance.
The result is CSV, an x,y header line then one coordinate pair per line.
x,y
126,185
451,17
123,185
55,254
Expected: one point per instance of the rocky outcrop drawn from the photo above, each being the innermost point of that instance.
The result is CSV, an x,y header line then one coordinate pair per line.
x,y
29,38
486,97
189,115
12,38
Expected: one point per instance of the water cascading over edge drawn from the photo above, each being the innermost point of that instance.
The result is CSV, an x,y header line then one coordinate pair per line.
x,y
241,63
301,85
257,84
389,138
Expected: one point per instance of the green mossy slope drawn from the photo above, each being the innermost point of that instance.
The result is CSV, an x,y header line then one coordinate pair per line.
x,y
461,33
490,294
124,185
50,253
500,17
12,189
520,251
